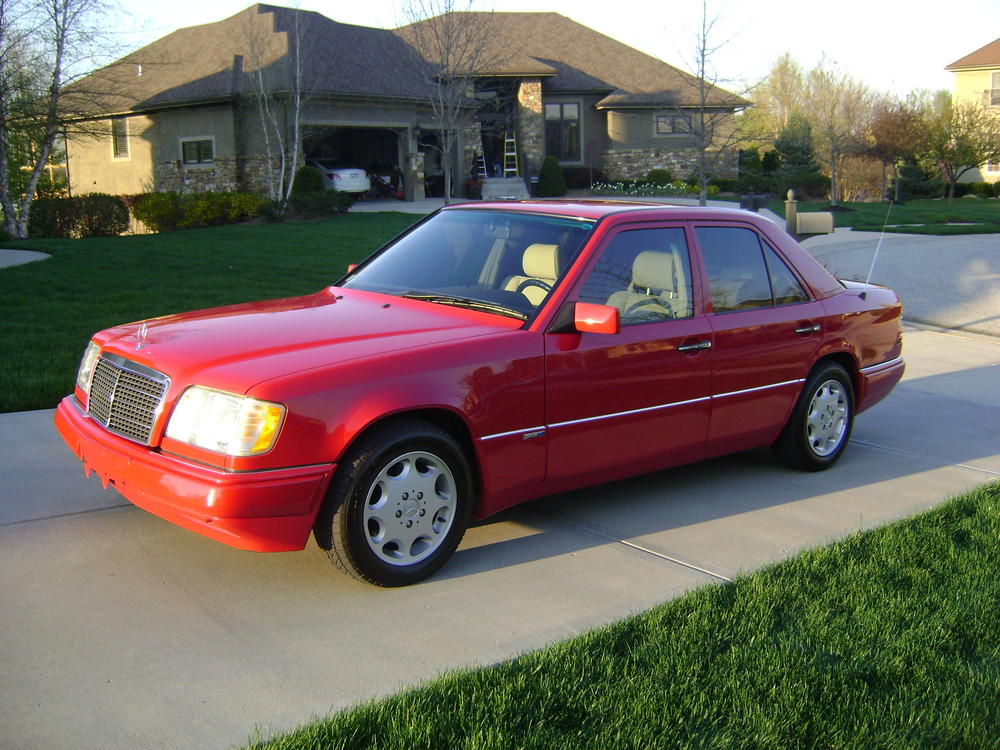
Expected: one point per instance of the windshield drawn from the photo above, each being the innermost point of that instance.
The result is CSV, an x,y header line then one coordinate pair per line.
x,y
496,261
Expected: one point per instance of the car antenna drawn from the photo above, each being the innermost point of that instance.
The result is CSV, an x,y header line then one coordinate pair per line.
x,y
879,245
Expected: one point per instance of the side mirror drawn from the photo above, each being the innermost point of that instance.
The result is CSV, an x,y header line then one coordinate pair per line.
x,y
591,318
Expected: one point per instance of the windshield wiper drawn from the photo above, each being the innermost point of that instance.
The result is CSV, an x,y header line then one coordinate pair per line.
x,y
467,302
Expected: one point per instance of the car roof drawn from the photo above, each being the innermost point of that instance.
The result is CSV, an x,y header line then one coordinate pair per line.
x,y
596,209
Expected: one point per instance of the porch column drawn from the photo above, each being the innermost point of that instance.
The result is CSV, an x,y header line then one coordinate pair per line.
x,y
531,123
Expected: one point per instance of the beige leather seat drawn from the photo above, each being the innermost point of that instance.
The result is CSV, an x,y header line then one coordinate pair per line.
x,y
540,262
653,291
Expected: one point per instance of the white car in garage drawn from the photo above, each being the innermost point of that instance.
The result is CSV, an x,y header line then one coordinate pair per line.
x,y
338,176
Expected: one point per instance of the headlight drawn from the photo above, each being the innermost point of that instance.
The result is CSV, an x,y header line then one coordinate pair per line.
x,y
224,422
87,364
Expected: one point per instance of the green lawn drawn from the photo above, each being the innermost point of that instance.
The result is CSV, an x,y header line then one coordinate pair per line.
x,y
963,216
887,639
51,308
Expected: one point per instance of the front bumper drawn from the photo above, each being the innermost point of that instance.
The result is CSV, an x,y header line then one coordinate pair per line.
x,y
264,511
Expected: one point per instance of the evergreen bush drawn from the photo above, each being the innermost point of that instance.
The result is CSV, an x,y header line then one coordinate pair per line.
x,y
88,215
160,212
307,180
551,181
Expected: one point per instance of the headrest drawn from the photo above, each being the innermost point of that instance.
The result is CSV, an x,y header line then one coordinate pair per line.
x,y
653,270
541,261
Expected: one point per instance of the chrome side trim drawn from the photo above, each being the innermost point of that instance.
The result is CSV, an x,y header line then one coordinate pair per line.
x,y
881,366
526,433
540,428
760,388
631,411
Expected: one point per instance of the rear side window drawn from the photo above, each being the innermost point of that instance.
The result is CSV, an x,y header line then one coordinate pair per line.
x,y
743,273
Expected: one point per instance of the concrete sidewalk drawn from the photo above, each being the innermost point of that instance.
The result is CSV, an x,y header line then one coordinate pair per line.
x,y
124,631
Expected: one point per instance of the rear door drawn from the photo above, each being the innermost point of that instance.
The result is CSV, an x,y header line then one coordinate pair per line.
x,y
766,333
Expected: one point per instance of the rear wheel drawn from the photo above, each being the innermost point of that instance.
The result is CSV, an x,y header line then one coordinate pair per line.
x,y
820,425
399,504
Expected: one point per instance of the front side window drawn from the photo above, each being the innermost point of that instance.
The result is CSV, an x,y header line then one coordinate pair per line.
x,y
119,138
562,131
744,273
200,151
645,274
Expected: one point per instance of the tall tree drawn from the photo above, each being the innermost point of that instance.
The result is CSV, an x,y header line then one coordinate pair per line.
x,y
277,95
43,44
839,107
716,130
458,46
897,132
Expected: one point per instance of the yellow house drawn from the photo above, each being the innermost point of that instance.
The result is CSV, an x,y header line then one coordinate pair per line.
x,y
977,79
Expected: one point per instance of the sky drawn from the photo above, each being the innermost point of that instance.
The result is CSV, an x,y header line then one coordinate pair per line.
x,y
894,46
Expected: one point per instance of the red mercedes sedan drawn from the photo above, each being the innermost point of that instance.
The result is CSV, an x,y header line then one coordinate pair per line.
x,y
491,354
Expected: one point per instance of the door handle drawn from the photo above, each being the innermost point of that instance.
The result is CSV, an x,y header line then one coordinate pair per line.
x,y
806,330
695,347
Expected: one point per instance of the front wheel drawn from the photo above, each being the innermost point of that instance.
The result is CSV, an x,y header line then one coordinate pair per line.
x,y
820,425
398,506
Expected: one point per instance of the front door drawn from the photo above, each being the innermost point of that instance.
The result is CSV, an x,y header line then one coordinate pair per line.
x,y
639,398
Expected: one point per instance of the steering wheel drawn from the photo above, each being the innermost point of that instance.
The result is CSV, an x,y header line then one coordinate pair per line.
x,y
533,282
649,300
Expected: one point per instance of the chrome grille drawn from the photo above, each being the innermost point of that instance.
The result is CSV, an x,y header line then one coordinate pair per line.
x,y
125,397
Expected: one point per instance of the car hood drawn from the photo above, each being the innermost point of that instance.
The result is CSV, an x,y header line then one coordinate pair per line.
x,y
236,347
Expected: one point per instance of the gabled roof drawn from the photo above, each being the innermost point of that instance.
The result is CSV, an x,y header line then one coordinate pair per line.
x,y
984,57
584,60
215,61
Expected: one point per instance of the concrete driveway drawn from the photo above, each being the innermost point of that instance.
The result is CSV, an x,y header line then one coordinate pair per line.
x,y
123,631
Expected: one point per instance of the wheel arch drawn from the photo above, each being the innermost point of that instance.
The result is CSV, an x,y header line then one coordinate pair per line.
x,y
846,360
440,417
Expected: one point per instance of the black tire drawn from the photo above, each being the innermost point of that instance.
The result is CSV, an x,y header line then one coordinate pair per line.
x,y
820,424
399,504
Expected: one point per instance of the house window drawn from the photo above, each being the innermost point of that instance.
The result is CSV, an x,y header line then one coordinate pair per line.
x,y
119,138
198,151
673,124
995,91
562,131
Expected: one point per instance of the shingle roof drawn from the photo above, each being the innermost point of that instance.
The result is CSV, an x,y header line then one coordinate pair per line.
x,y
586,60
214,61
984,57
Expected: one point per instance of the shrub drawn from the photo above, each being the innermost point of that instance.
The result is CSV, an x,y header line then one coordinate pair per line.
x,y
100,215
983,189
307,180
88,215
996,189
659,176
323,203
726,186
160,212
551,181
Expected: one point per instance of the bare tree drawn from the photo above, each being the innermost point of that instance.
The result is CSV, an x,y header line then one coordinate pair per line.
x,y
716,130
276,80
840,109
42,46
458,46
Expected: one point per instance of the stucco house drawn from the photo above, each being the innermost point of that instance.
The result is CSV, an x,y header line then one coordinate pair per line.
x,y
977,79
182,114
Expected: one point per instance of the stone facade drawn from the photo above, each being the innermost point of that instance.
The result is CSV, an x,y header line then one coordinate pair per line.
x,y
635,164
531,123
220,176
